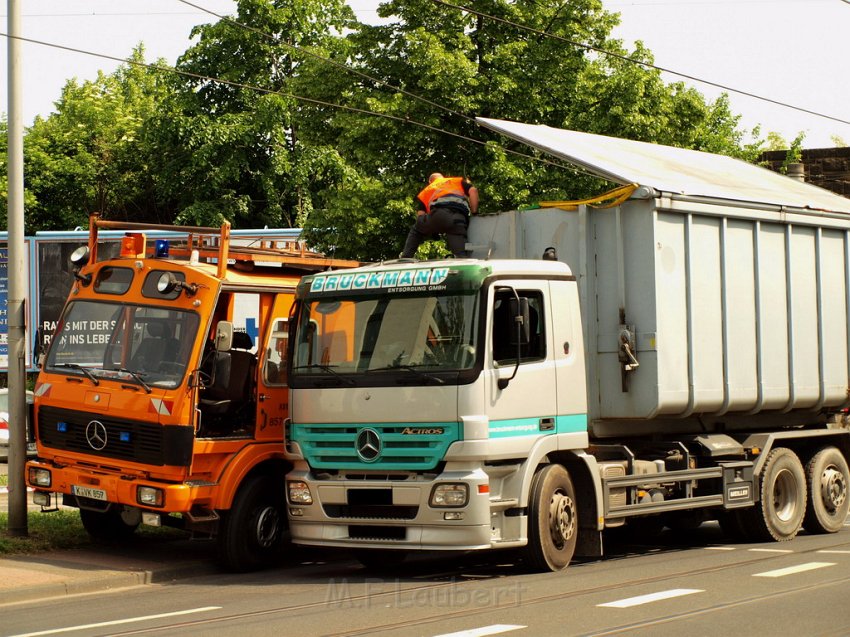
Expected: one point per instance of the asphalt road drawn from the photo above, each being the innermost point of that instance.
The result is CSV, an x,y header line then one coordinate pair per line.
x,y
686,584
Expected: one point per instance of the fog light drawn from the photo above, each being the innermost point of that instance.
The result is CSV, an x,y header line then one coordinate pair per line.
x,y
150,496
450,495
299,493
453,515
41,498
39,477
151,519
296,513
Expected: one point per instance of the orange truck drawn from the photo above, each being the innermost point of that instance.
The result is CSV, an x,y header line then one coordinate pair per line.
x,y
162,397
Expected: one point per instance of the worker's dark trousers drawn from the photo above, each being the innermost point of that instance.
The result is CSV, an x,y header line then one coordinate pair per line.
x,y
447,221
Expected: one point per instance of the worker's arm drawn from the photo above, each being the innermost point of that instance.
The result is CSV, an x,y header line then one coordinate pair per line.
x,y
473,200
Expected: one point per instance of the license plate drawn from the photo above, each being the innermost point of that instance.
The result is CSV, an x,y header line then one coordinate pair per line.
x,y
89,492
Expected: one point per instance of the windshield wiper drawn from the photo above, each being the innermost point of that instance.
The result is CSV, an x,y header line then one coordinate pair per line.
x,y
85,371
408,368
326,368
137,377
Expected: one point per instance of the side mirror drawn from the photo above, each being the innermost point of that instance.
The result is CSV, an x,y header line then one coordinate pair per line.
x,y
223,336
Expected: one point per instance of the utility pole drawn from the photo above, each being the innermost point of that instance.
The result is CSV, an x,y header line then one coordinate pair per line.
x,y
17,283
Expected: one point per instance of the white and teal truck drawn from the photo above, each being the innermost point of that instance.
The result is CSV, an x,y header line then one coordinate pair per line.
x,y
685,358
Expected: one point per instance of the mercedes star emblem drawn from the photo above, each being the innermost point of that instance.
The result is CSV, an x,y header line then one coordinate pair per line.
x,y
96,435
368,445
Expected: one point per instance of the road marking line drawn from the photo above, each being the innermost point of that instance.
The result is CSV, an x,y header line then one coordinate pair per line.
x,y
837,552
771,550
791,570
495,629
719,548
651,597
118,622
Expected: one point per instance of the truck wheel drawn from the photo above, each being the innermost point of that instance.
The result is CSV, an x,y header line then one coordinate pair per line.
x,y
828,479
251,533
114,524
778,515
552,519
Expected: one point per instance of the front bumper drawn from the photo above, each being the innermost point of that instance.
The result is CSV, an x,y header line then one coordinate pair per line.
x,y
119,488
392,513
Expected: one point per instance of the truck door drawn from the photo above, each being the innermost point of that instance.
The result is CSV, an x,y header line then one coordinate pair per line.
x,y
527,406
272,386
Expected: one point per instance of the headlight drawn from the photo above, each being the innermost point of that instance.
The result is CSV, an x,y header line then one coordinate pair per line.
x,y
299,493
450,495
39,477
150,496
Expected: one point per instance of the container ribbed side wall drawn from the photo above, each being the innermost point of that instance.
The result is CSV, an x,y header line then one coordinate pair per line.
x,y
732,315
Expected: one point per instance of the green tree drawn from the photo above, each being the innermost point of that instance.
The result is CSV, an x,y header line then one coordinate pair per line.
x,y
87,156
465,64
227,151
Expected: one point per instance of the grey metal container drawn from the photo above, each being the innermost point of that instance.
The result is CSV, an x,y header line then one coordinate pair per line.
x,y
729,282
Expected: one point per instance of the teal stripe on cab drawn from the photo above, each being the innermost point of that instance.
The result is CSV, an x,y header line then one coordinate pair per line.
x,y
575,423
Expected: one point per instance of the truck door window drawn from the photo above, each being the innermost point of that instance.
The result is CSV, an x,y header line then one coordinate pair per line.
x,y
275,365
504,328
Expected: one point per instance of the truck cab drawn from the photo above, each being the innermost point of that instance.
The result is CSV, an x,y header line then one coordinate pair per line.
x,y
162,397
409,417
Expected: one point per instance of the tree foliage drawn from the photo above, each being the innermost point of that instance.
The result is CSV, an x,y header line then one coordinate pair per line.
x,y
237,143
555,72
294,114
88,156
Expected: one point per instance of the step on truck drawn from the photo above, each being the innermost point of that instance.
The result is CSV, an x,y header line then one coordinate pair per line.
x,y
676,357
162,396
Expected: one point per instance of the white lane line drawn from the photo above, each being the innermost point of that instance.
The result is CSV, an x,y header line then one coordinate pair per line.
x,y
791,570
719,548
836,552
118,622
495,629
651,597
771,550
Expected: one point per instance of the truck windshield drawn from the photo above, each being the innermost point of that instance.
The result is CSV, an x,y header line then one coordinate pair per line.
x,y
417,337
145,345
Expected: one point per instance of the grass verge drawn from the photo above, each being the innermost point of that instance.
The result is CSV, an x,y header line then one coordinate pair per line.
x,y
61,530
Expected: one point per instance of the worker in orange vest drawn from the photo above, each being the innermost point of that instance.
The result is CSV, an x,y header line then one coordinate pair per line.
x,y
444,208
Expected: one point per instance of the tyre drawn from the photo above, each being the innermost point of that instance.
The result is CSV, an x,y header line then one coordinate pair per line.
x,y
251,534
827,479
778,515
116,523
552,520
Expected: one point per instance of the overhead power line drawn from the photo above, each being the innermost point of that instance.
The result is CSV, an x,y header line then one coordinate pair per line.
x,y
301,98
625,58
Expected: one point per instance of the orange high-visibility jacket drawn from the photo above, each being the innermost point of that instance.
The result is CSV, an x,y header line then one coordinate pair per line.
x,y
439,188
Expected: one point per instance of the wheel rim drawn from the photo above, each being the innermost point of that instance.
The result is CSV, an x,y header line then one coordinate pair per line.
x,y
268,526
833,488
562,519
784,496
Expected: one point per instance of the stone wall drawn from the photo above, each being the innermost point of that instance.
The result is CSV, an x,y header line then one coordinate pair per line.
x,y
825,167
